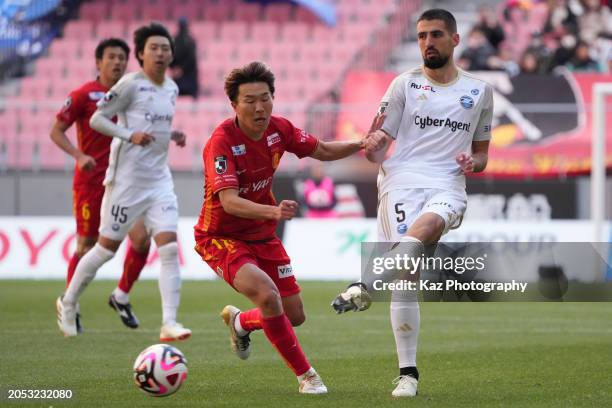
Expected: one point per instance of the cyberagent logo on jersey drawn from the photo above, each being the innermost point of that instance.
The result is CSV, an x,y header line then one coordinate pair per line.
x,y
220,164
453,125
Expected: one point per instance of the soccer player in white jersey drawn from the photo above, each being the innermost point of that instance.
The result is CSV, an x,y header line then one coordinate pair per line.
x,y
440,120
138,181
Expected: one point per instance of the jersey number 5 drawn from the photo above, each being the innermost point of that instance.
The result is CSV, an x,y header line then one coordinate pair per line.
x,y
120,213
401,214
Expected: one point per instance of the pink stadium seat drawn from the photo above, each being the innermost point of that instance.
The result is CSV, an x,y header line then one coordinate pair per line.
x,y
61,88
94,11
34,88
159,12
358,34
248,52
203,32
217,12
264,32
192,10
50,68
248,12
66,49
295,32
82,72
323,34
278,13
281,53
233,32
124,12
220,52
80,29
304,15
110,28
314,53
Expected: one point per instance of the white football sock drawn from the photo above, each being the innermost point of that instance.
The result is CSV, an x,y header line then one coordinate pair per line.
x,y
85,272
239,329
405,321
169,282
121,296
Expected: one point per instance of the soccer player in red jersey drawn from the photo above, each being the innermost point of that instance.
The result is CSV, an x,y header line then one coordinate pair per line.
x,y
235,233
91,157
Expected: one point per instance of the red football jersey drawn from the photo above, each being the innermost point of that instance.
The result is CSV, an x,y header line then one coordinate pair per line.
x,y
233,160
79,107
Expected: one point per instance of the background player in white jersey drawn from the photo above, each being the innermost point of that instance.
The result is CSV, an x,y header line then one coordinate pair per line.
x,y
138,181
440,120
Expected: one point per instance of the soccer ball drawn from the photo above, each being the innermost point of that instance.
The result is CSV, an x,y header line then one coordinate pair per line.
x,y
160,370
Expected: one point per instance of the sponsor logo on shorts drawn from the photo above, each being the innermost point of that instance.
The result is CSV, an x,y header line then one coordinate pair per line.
x,y
273,138
402,228
466,101
284,271
115,227
239,150
220,164
474,91
170,207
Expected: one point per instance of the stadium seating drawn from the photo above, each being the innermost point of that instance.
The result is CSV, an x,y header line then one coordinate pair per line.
x,y
307,56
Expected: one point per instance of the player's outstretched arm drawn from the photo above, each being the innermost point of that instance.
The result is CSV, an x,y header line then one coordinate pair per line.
x,y
241,207
329,151
58,135
377,144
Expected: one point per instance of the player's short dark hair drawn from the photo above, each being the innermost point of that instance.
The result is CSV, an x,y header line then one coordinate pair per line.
x,y
111,42
143,33
441,14
253,72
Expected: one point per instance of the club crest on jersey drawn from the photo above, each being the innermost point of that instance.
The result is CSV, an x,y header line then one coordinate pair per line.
x,y
284,271
466,101
239,150
273,138
220,164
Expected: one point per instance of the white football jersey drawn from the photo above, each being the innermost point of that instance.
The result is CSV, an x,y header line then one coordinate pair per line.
x,y
143,106
432,123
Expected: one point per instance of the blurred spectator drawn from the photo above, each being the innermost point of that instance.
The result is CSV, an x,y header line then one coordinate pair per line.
x,y
479,54
185,63
543,49
595,21
561,19
529,63
582,61
490,27
319,195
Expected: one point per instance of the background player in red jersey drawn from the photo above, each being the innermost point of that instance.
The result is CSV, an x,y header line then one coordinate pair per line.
x,y
91,157
235,233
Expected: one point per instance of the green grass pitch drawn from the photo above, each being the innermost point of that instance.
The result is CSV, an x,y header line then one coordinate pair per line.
x,y
470,354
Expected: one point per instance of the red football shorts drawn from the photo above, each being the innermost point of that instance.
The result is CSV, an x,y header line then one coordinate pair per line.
x,y
86,203
225,256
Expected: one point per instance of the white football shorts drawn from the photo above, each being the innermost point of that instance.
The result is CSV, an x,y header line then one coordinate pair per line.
x,y
123,204
399,209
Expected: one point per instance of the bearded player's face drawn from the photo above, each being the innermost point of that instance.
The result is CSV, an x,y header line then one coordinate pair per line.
x,y
436,43
253,108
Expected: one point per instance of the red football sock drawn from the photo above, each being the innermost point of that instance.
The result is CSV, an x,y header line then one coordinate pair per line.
x,y
279,331
250,319
71,268
134,262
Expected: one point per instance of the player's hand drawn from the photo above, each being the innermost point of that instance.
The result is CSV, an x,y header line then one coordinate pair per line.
x,y
141,138
179,138
375,141
286,210
466,162
86,163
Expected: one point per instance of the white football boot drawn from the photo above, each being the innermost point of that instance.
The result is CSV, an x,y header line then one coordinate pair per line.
x,y
66,318
355,298
240,344
311,383
173,332
406,386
